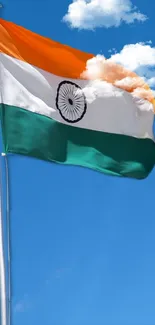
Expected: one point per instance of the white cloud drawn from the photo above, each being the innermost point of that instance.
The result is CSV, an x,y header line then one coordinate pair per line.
x,y
132,56
151,81
140,58
89,14
132,69
100,89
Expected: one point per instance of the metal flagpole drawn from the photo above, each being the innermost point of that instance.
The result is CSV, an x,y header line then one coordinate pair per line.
x,y
3,302
4,309
8,239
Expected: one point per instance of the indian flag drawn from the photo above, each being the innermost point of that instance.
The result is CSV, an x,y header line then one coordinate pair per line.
x,y
52,110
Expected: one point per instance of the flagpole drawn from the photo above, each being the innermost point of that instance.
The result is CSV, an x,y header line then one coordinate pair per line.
x,y
4,316
8,238
3,302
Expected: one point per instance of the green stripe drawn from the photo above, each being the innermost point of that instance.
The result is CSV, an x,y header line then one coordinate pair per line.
x,y
38,136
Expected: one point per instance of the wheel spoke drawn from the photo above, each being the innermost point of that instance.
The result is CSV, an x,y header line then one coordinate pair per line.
x,y
70,102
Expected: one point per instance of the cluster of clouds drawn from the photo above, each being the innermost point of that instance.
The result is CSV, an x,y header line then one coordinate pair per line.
x,y
132,69
138,58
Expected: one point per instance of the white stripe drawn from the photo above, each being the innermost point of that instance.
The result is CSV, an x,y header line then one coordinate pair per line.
x,y
113,110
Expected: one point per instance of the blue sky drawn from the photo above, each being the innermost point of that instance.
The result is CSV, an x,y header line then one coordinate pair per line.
x,y
83,244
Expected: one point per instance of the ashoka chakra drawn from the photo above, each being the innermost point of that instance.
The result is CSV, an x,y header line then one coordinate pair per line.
x,y
70,102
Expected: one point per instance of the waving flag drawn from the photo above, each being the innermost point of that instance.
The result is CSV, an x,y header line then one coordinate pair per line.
x,y
49,111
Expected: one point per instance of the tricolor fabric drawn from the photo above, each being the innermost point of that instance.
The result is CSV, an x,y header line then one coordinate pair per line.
x,y
45,113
